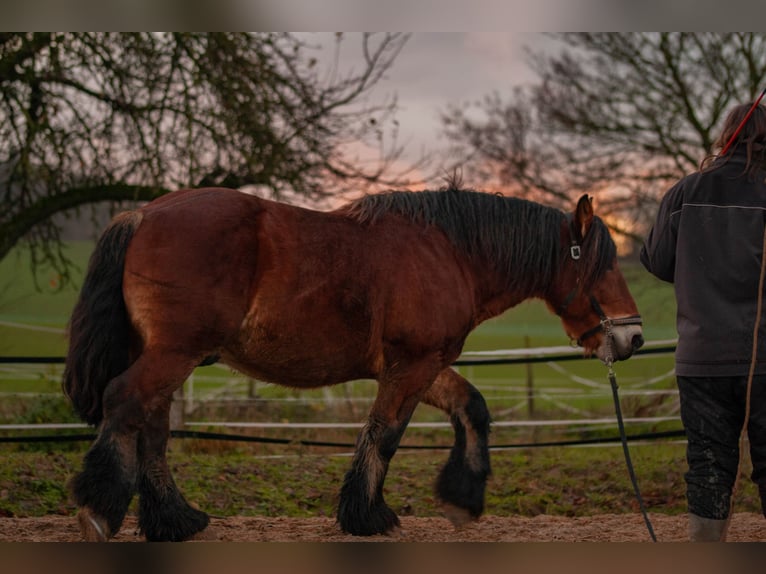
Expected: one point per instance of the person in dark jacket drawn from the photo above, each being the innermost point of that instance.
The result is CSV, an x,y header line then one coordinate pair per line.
x,y
708,240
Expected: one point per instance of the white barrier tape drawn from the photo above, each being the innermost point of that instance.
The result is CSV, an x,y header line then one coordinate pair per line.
x,y
543,351
272,425
13,325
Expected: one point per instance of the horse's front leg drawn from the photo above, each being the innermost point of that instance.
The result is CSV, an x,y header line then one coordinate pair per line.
x,y
463,479
362,510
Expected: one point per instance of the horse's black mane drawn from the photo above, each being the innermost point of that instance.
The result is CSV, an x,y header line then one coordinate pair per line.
x,y
520,238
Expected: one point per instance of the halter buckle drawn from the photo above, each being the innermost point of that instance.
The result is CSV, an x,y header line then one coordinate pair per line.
x,y
574,251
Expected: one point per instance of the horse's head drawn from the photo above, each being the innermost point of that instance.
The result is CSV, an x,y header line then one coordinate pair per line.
x,y
589,292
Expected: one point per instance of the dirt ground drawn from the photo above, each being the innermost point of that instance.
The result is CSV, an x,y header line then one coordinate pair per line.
x,y
744,527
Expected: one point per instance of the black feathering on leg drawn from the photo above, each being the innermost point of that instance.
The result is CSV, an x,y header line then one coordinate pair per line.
x,y
165,515
103,485
358,514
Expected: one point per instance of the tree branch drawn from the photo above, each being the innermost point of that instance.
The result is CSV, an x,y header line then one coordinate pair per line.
x,y
45,207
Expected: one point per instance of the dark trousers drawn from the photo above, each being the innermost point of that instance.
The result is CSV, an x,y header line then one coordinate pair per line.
x,y
713,412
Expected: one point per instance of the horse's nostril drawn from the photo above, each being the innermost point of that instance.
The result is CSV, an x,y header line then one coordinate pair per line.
x,y
637,342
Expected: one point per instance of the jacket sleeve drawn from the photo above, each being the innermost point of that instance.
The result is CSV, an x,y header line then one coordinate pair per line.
x,y
658,254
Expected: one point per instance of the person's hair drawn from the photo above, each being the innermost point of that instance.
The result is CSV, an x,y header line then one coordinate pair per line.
x,y
752,137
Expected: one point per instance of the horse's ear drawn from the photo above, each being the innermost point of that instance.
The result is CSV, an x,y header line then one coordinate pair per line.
x,y
583,215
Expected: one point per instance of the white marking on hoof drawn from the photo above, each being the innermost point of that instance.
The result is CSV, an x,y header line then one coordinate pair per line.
x,y
92,527
459,517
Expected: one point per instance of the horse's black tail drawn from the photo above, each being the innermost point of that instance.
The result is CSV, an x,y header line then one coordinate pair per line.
x,y
99,326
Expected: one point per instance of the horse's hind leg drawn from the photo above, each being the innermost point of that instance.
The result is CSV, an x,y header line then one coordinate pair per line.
x,y
105,486
462,481
164,514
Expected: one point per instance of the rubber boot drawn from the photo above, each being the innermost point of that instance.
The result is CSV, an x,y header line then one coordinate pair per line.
x,y
705,529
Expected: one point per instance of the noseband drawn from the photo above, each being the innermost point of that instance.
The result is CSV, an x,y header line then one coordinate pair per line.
x,y
605,323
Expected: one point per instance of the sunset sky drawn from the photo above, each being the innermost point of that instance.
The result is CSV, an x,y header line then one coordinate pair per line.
x,y
436,69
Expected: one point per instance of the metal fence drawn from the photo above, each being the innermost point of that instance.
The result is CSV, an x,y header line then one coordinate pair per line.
x,y
190,398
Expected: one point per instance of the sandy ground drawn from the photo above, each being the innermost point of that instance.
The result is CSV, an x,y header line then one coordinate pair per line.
x,y
744,527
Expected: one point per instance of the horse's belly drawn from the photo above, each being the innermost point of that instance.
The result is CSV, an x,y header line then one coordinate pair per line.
x,y
298,372
300,360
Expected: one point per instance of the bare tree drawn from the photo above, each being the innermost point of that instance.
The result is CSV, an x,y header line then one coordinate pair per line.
x,y
620,115
93,117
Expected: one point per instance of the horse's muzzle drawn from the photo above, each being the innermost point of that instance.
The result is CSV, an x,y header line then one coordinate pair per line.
x,y
624,340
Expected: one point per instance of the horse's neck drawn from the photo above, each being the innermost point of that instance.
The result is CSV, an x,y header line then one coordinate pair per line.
x,y
496,293
493,298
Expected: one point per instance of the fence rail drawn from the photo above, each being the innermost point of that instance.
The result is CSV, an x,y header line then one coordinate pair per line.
x,y
470,358
551,355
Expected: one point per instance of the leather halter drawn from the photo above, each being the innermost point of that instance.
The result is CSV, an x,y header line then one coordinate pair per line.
x,y
605,323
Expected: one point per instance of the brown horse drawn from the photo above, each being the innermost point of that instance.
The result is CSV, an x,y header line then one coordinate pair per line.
x,y
386,288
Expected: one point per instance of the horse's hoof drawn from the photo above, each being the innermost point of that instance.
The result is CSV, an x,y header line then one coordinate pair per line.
x,y
209,534
379,519
459,517
92,527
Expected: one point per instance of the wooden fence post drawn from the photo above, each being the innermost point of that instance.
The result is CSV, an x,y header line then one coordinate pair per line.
x,y
530,383
177,410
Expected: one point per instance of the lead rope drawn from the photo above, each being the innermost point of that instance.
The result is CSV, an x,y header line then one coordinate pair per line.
x,y
753,359
621,426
